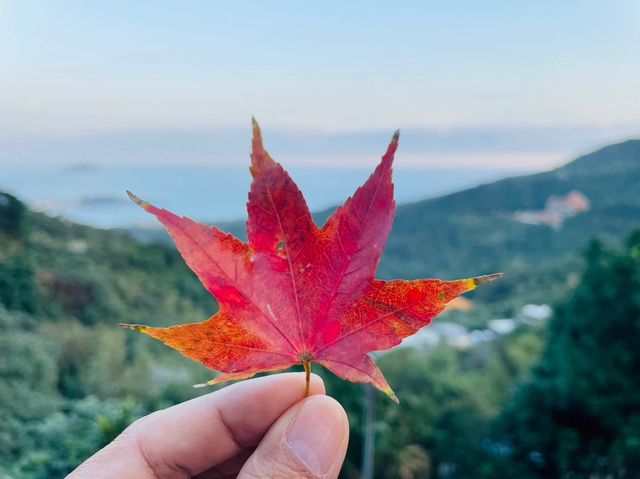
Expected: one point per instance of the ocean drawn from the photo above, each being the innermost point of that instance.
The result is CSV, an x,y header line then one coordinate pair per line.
x,y
96,195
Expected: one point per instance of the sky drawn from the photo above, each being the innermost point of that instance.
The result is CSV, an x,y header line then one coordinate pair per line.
x,y
496,83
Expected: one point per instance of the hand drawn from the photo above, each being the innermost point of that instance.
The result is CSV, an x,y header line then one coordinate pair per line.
x,y
257,428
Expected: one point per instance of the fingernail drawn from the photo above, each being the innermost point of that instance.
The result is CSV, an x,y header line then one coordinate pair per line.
x,y
317,433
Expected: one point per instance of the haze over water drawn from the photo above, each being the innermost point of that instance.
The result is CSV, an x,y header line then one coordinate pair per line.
x,y
96,195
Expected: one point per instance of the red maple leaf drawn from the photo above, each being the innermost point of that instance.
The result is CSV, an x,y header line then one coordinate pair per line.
x,y
296,293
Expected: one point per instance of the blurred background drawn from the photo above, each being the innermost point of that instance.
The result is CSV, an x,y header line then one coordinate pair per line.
x,y
519,153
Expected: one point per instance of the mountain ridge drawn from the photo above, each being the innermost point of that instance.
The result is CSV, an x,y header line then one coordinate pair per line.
x,y
475,231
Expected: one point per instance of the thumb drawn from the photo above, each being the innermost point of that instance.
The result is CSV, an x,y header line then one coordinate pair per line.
x,y
309,441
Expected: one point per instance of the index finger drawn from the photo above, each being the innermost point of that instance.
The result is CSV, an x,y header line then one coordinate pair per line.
x,y
192,437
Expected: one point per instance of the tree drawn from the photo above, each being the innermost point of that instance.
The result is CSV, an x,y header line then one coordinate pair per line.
x,y
579,414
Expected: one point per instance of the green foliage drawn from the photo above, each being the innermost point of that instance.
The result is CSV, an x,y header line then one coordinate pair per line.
x,y
65,439
68,376
27,389
13,222
580,412
18,288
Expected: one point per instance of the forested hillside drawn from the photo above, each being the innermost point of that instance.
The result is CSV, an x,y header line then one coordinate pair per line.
x,y
71,379
475,231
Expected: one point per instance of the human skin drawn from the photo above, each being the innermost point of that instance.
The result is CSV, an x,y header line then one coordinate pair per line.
x,y
262,427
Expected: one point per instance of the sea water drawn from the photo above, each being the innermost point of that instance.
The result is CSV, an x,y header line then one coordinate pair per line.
x,y
96,195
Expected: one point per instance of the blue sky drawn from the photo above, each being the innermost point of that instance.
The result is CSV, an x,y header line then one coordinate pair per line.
x,y
532,82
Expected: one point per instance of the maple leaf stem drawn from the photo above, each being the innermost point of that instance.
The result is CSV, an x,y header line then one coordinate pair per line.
x,y
307,369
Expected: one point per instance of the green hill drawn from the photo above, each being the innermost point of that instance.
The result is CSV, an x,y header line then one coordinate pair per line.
x,y
474,231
